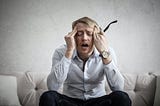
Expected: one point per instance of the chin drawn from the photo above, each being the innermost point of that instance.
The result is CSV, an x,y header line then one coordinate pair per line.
x,y
86,52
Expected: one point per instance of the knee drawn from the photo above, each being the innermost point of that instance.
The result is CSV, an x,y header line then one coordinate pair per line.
x,y
48,98
121,98
48,94
120,95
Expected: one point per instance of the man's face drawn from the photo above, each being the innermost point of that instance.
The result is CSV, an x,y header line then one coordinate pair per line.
x,y
84,39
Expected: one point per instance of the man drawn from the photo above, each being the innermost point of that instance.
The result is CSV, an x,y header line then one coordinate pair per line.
x,y
81,67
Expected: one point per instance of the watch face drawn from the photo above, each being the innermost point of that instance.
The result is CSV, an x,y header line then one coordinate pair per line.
x,y
105,54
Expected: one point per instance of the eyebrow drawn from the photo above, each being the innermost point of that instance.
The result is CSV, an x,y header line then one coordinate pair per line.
x,y
89,31
85,30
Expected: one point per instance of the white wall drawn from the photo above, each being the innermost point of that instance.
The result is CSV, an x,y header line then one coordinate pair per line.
x,y
30,30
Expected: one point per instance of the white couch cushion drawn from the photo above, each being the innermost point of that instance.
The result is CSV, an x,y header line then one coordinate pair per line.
x,y
33,87
140,88
8,91
144,89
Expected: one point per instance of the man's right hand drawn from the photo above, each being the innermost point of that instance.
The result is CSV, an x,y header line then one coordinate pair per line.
x,y
70,41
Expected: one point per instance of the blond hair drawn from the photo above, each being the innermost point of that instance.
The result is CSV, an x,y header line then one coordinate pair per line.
x,y
86,20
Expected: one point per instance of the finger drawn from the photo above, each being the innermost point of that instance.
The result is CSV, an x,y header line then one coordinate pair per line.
x,y
98,31
70,34
101,31
98,37
73,32
95,36
95,29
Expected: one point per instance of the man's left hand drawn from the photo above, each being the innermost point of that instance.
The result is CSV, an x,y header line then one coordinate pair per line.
x,y
100,41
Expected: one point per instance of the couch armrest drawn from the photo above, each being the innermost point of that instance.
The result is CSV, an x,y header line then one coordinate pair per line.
x,y
157,93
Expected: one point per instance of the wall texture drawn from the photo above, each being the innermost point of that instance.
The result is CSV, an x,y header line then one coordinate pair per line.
x,y
30,30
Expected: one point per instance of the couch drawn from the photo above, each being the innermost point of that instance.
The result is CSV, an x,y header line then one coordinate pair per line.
x,y
25,88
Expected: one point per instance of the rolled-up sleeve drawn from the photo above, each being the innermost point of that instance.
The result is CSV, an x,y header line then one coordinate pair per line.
x,y
113,75
59,71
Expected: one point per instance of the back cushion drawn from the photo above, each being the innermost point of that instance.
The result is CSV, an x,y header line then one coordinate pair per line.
x,y
141,88
33,86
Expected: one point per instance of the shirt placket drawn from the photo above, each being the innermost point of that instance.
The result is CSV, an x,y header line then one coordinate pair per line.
x,y
85,78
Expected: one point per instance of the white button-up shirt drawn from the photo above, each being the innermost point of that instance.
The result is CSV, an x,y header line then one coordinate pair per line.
x,y
83,82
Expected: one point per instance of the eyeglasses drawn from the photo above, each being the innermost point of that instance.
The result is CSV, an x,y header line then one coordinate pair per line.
x,y
109,25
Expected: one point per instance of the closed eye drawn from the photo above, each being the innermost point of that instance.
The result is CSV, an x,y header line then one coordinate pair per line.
x,y
89,33
79,33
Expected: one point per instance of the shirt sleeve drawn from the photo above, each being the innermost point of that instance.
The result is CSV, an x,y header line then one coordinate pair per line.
x,y
113,75
59,70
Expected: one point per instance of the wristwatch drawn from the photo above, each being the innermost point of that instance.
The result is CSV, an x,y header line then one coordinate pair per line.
x,y
105,54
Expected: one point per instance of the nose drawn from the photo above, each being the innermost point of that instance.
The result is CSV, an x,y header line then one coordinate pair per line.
x,y
85,36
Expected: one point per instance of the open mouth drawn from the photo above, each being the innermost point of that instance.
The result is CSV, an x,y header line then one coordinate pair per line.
x,y
85,45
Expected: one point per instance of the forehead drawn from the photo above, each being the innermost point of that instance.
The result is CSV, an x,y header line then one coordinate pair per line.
x,y
82,26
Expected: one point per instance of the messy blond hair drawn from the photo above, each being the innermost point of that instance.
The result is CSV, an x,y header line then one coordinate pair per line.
x,y
86,20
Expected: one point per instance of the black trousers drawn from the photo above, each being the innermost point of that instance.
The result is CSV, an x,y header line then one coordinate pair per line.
x,y
53,98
